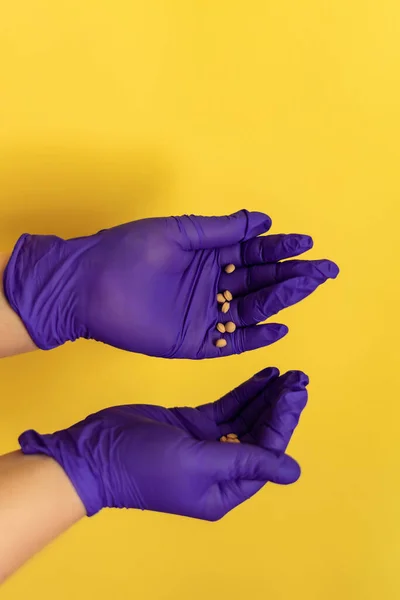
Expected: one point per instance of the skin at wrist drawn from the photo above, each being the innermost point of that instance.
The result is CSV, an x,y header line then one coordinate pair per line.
x,y
37,503
14,338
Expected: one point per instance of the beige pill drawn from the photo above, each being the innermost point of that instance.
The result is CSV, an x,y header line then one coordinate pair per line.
x,y
220,343
225,307
231,436
221,327
220,298
230,327
228,295
223,439
236,441
230,268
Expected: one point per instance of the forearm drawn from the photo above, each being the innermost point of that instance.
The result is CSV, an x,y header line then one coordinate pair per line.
x,y
14,338
37,503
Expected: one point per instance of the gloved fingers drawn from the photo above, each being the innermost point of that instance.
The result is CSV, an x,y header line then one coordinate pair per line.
x,y
265,249
227,407
226,462
200,233
261,407
276,424
247,418
259,306
246,338
251,279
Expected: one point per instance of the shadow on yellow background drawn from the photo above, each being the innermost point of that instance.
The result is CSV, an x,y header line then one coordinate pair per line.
x,y
115,111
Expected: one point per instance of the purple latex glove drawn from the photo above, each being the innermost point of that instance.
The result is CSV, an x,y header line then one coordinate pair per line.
x,y
150,286
170,460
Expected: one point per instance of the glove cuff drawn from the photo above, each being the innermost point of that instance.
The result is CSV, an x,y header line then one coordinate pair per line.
x,y
39,284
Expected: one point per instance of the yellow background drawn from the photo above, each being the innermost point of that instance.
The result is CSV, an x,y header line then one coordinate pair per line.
x,y
112,111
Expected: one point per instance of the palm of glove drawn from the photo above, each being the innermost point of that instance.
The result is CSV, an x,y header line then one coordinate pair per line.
x,y
150,286
170,460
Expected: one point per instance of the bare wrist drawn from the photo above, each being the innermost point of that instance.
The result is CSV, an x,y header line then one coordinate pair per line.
x,y
14,338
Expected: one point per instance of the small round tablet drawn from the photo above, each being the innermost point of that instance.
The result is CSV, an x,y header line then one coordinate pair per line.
x,y
225,307
230,327
221,343
230,268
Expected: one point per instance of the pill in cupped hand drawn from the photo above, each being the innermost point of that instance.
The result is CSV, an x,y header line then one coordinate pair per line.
x,y
228,296
225,307
220,298
221,327
230,327
230,268
230,438
221,343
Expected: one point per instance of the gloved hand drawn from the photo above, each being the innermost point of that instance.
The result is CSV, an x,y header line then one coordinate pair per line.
x,y
150,286
170,460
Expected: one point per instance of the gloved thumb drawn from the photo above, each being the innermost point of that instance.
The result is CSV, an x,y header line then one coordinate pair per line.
x,y
201,233
247,462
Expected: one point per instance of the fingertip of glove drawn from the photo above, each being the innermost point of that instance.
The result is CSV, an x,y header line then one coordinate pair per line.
x,y
258,222
267,373
328,269
301,242
263,219
289,471
279,329
299,378
334,269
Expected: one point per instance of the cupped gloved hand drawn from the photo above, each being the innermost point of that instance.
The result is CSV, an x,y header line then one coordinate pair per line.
x,y
150,286
170,460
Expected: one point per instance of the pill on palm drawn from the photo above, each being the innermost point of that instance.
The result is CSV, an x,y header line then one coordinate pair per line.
x,y
230,268
228,295
225,307
221,327
221,343
220,298
230,327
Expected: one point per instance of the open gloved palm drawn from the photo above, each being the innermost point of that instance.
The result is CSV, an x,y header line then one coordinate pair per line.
x,y
150,286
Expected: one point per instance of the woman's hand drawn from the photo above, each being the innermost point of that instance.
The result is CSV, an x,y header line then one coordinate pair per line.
x,y
150,286
171,460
